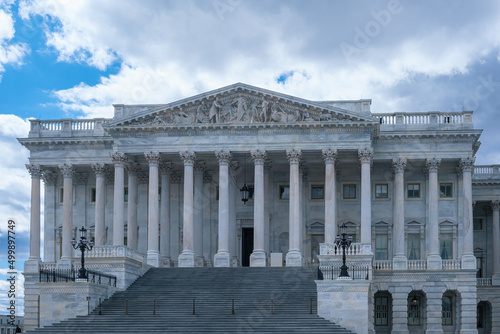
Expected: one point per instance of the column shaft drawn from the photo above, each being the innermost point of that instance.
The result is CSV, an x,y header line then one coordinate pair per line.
x,y
198,214
153,254
36,175
119,160
186,258
400,261
496,238
365,157
132,210
330,156
468,258
100,189
165,214
433,256
294,255
67,227
222,258
258,257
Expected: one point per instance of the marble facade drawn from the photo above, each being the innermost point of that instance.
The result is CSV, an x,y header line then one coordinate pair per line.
x,y
159,185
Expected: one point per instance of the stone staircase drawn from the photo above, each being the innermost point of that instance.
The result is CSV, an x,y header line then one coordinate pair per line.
x,y
266,300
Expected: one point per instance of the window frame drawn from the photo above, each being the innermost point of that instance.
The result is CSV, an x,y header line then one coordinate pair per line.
x,y
446,196
377,248
386,311
314,186
281,192
419,240
413,190
386,191
352,186
451,245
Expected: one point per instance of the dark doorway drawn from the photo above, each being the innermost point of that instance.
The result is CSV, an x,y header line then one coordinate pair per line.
x,y
246,245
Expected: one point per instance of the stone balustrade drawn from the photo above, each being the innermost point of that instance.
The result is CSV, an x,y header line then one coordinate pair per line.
x,y
354,249
417,265
115,251
429,120
484,281
451,264
67,128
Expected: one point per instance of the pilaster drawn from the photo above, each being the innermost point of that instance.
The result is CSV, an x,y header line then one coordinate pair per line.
x,y
120,161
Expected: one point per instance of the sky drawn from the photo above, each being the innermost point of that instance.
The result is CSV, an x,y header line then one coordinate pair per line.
x,y
74,59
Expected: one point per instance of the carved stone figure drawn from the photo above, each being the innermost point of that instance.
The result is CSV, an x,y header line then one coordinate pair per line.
x,y
202,113
213,115
181,117
264,113
240,105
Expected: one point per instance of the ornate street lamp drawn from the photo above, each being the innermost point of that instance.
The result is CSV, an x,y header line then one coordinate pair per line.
x,y
245,193
83,244
343,242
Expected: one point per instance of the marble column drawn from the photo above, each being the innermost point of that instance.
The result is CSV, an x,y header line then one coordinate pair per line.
x,y
400,261
234,169
100,190
267,194
495,206
120,161
49,218
153,253
222,258
132,239
68,172
294,255
36,175
330,157
366,160
166,169
199,169
258,256
468,258
433,258
186,258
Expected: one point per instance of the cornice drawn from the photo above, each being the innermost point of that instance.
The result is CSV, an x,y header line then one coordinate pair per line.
x,y
82,142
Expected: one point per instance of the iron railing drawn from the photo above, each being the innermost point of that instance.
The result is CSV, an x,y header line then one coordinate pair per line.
x,y
333,272
70,275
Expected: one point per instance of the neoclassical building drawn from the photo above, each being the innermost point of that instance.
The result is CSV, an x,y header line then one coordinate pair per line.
x,y
160,186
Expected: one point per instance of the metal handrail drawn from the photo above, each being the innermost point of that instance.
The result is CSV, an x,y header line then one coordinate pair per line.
x,y
70,275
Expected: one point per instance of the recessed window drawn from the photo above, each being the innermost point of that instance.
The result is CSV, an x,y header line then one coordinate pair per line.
x,y
381,191
381,311
413,246
413,190
447,311
445,190
479,266
478,224
284,192
413,310
125,194
381,251
445,240
317,192
349,191
92,195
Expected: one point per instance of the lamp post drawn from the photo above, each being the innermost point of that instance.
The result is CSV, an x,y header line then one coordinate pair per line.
x,y
342,241
83,244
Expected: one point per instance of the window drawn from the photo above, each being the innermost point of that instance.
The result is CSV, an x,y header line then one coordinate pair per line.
x,y
317,192
92,195
284,192
479,266
381,311
413,190
478,224
445,190
447,311
413,246
61,195
413,311
381,251
349,191
446,246
381,191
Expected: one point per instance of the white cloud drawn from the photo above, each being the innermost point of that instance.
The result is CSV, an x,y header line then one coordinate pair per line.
x,y
10,53
14,189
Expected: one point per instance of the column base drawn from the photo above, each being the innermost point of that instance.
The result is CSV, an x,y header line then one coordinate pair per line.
x,y
186,259
32,266
400,262
222,259
495,279
153,258
64,264
258,259
469,261
234,261
434,262
199,261
167,262
293,258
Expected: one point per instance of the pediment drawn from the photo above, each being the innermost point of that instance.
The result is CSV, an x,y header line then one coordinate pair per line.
x,y
239,104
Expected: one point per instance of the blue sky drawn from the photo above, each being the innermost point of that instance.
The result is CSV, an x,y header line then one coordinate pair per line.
x,y
74,59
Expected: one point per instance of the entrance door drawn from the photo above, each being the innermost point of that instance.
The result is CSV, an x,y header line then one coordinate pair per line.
x,y
246,245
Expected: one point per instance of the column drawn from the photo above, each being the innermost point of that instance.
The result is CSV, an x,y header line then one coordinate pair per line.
x,y
234,169
153,254
400,309
199,168
49,217
166,169
495,206
434,310
120,161
330,157
258,256
400,261
67,219
186,258
100,189
222,258
433,258
468,258
366,160
294,255
268,165
133,170
34,257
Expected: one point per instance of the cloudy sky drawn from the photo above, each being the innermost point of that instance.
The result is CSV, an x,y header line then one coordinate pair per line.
x,y
74,59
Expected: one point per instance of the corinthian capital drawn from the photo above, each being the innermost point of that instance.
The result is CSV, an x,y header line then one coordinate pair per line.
x,y
99,169
365,155
258,156
495,206
294,156
67,170
433,164
467,164
153,158
188,157
119,159
399,164
223,156
329,155
34,170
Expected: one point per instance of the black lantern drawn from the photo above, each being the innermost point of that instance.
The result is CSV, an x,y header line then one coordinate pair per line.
x,y
343,242
84,245
244,194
